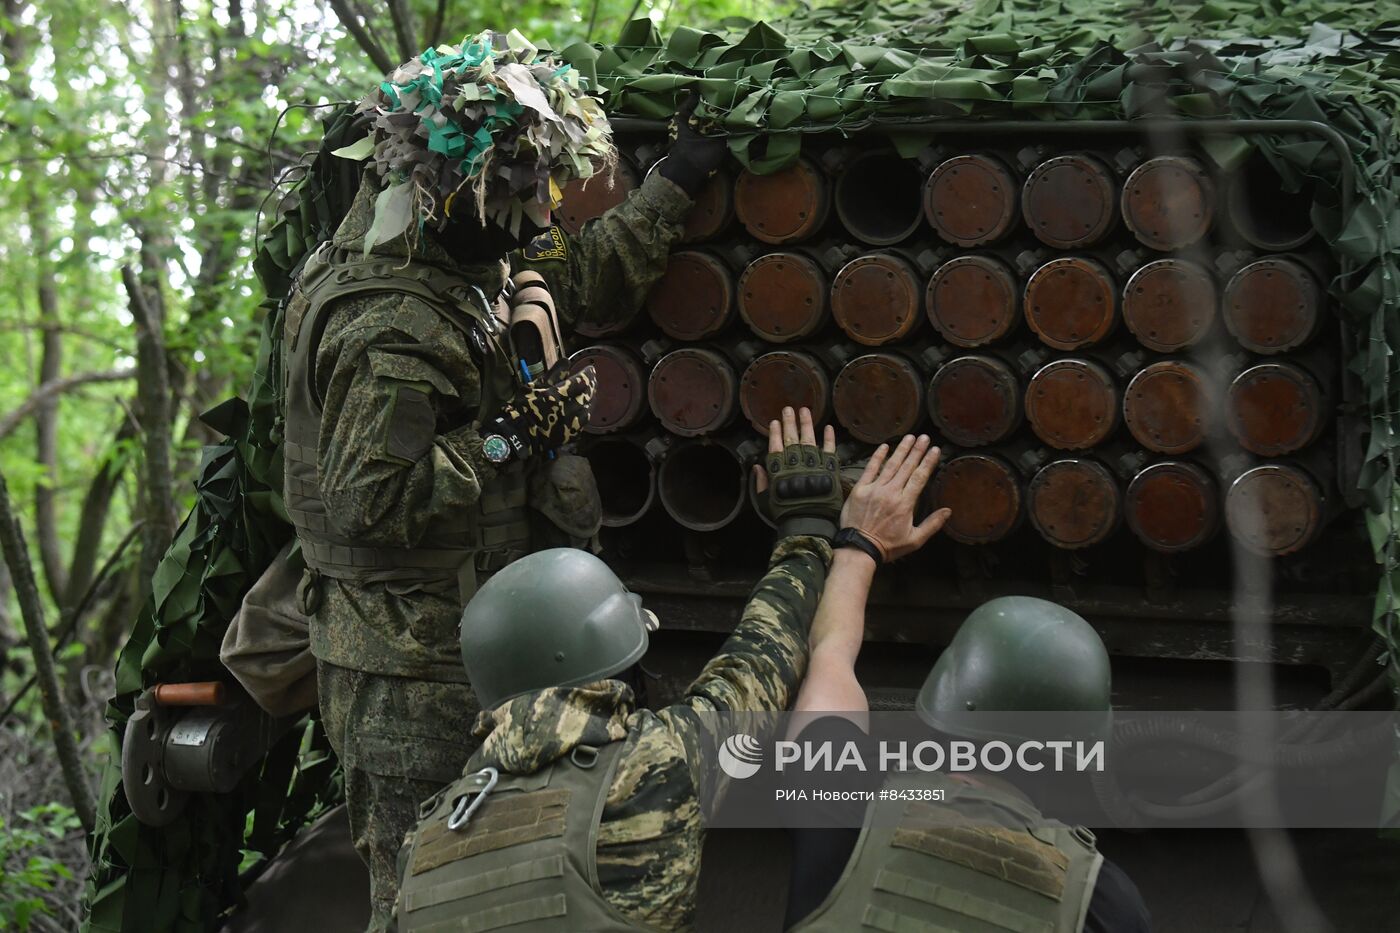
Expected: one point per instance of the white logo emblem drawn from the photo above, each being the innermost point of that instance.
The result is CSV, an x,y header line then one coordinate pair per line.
x,y
740,756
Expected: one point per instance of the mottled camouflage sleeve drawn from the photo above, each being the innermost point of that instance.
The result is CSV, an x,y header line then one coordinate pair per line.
x,y
397,446
604,273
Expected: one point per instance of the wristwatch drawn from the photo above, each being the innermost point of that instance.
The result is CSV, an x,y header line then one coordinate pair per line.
x,y
851,537
495,448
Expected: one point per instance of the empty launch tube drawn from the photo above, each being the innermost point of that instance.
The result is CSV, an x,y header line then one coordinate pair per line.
x,y
702,484
1263,212
626,479
878,198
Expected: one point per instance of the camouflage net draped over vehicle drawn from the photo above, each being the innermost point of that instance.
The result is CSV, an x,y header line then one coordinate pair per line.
x,y
1324,61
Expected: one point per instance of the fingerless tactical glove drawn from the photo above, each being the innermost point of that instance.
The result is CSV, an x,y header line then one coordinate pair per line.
x,y
804,490
545,416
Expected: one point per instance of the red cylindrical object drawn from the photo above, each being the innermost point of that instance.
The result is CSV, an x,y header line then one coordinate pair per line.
x,y
592,197
784,296
1071,303
693,391
1074,503
1070,201
1275,408
202,693
875,298
713,209
1172,506
970,200
1272,305
1168,202
877,397
1072,404
878,198
1274,509
1168,407
784,207
694,298
984,493
1169,304
972,300
975,400
622,381
781,378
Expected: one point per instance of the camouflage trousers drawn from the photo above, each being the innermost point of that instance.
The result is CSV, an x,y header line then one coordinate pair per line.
x,y
399,741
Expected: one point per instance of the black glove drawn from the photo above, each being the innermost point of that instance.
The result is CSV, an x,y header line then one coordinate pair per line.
x,y
542,416
694,157
804,491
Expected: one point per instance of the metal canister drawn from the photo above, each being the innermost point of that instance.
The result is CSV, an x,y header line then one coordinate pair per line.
x,y
970,200
626,478
1071,303
712,211
1070,201
1169,202
784,296
975,400
583,200
1275,408
694,298
984,492
875,298
1274,509
780,378
878,397
785,206
1172,506
621,395
1072,404
1169,304
693,391
1168,407
1272,305
702,484
1074,503
877,198
973,300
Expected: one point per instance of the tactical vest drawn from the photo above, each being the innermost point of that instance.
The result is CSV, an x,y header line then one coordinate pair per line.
x,y
982,859
497,531
525,860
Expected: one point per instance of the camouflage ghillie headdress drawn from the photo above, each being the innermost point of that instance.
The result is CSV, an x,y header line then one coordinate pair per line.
x,y
479,128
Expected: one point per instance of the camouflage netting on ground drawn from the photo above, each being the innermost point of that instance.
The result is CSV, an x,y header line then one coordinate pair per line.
x,y
895,67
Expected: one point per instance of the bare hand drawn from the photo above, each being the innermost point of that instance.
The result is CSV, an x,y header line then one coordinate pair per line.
x,y
881,506
795,428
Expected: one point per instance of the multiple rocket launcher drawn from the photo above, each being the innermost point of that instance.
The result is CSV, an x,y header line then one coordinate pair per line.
x,y
1093,338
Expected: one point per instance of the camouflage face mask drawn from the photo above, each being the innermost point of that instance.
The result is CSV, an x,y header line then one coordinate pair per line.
x,y
492,127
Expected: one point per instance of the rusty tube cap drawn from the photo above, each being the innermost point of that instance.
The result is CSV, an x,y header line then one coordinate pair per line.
x,y
984,493
626,480
1072,404
583,200
693,391
1071,303
694,298
784,207
621,387
1272,305
1273,510
783,377
1168,202
975,400
877,198
877,397
1074,503
1167,407
783,296
712,211
970,200
702,485
1169,304
1172,506
1070,201
1275,408
972,300
875,298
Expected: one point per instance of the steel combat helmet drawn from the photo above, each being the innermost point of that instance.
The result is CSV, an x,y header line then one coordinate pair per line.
x,y
1017,654
554,618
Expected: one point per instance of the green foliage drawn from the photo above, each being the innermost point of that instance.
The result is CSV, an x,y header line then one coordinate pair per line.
x,y
26,872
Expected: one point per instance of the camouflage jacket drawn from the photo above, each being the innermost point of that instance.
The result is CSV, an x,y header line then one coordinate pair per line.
x,y
650,835
374,343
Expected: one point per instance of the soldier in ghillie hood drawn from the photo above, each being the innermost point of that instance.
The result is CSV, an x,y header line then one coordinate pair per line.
x,y
425,400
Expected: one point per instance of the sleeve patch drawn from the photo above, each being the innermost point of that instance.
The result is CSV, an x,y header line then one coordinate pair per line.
x,y
411,425
548,245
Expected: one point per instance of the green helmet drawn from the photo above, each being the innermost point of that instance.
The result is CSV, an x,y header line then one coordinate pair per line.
x,y
551,619
1017,654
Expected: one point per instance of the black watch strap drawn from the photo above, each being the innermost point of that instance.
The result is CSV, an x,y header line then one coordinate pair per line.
x,y
851,537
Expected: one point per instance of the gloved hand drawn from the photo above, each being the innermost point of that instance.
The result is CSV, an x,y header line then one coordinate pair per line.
x,y
694,156
802,480
544,415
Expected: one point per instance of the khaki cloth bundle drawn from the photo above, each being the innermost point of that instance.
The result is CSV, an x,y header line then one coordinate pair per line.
x,y
267,647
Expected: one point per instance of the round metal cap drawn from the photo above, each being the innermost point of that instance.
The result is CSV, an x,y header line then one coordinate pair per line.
x,y
1172,506
972,300
875,299
621,387
1275,408
1169,304
693,391
1167,407
712,211
877,397
1072,404
783,296
583,200
694,298
1069,201
1168,202
984,493
1272,305
782,378
975,400
785,206
1070,303
1274,509
1074,503
970,200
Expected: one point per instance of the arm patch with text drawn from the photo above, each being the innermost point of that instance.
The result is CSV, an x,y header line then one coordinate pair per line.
x,y
548,245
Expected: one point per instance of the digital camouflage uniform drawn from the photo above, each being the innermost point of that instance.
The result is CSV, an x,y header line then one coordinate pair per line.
x,y
649,836
392,687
